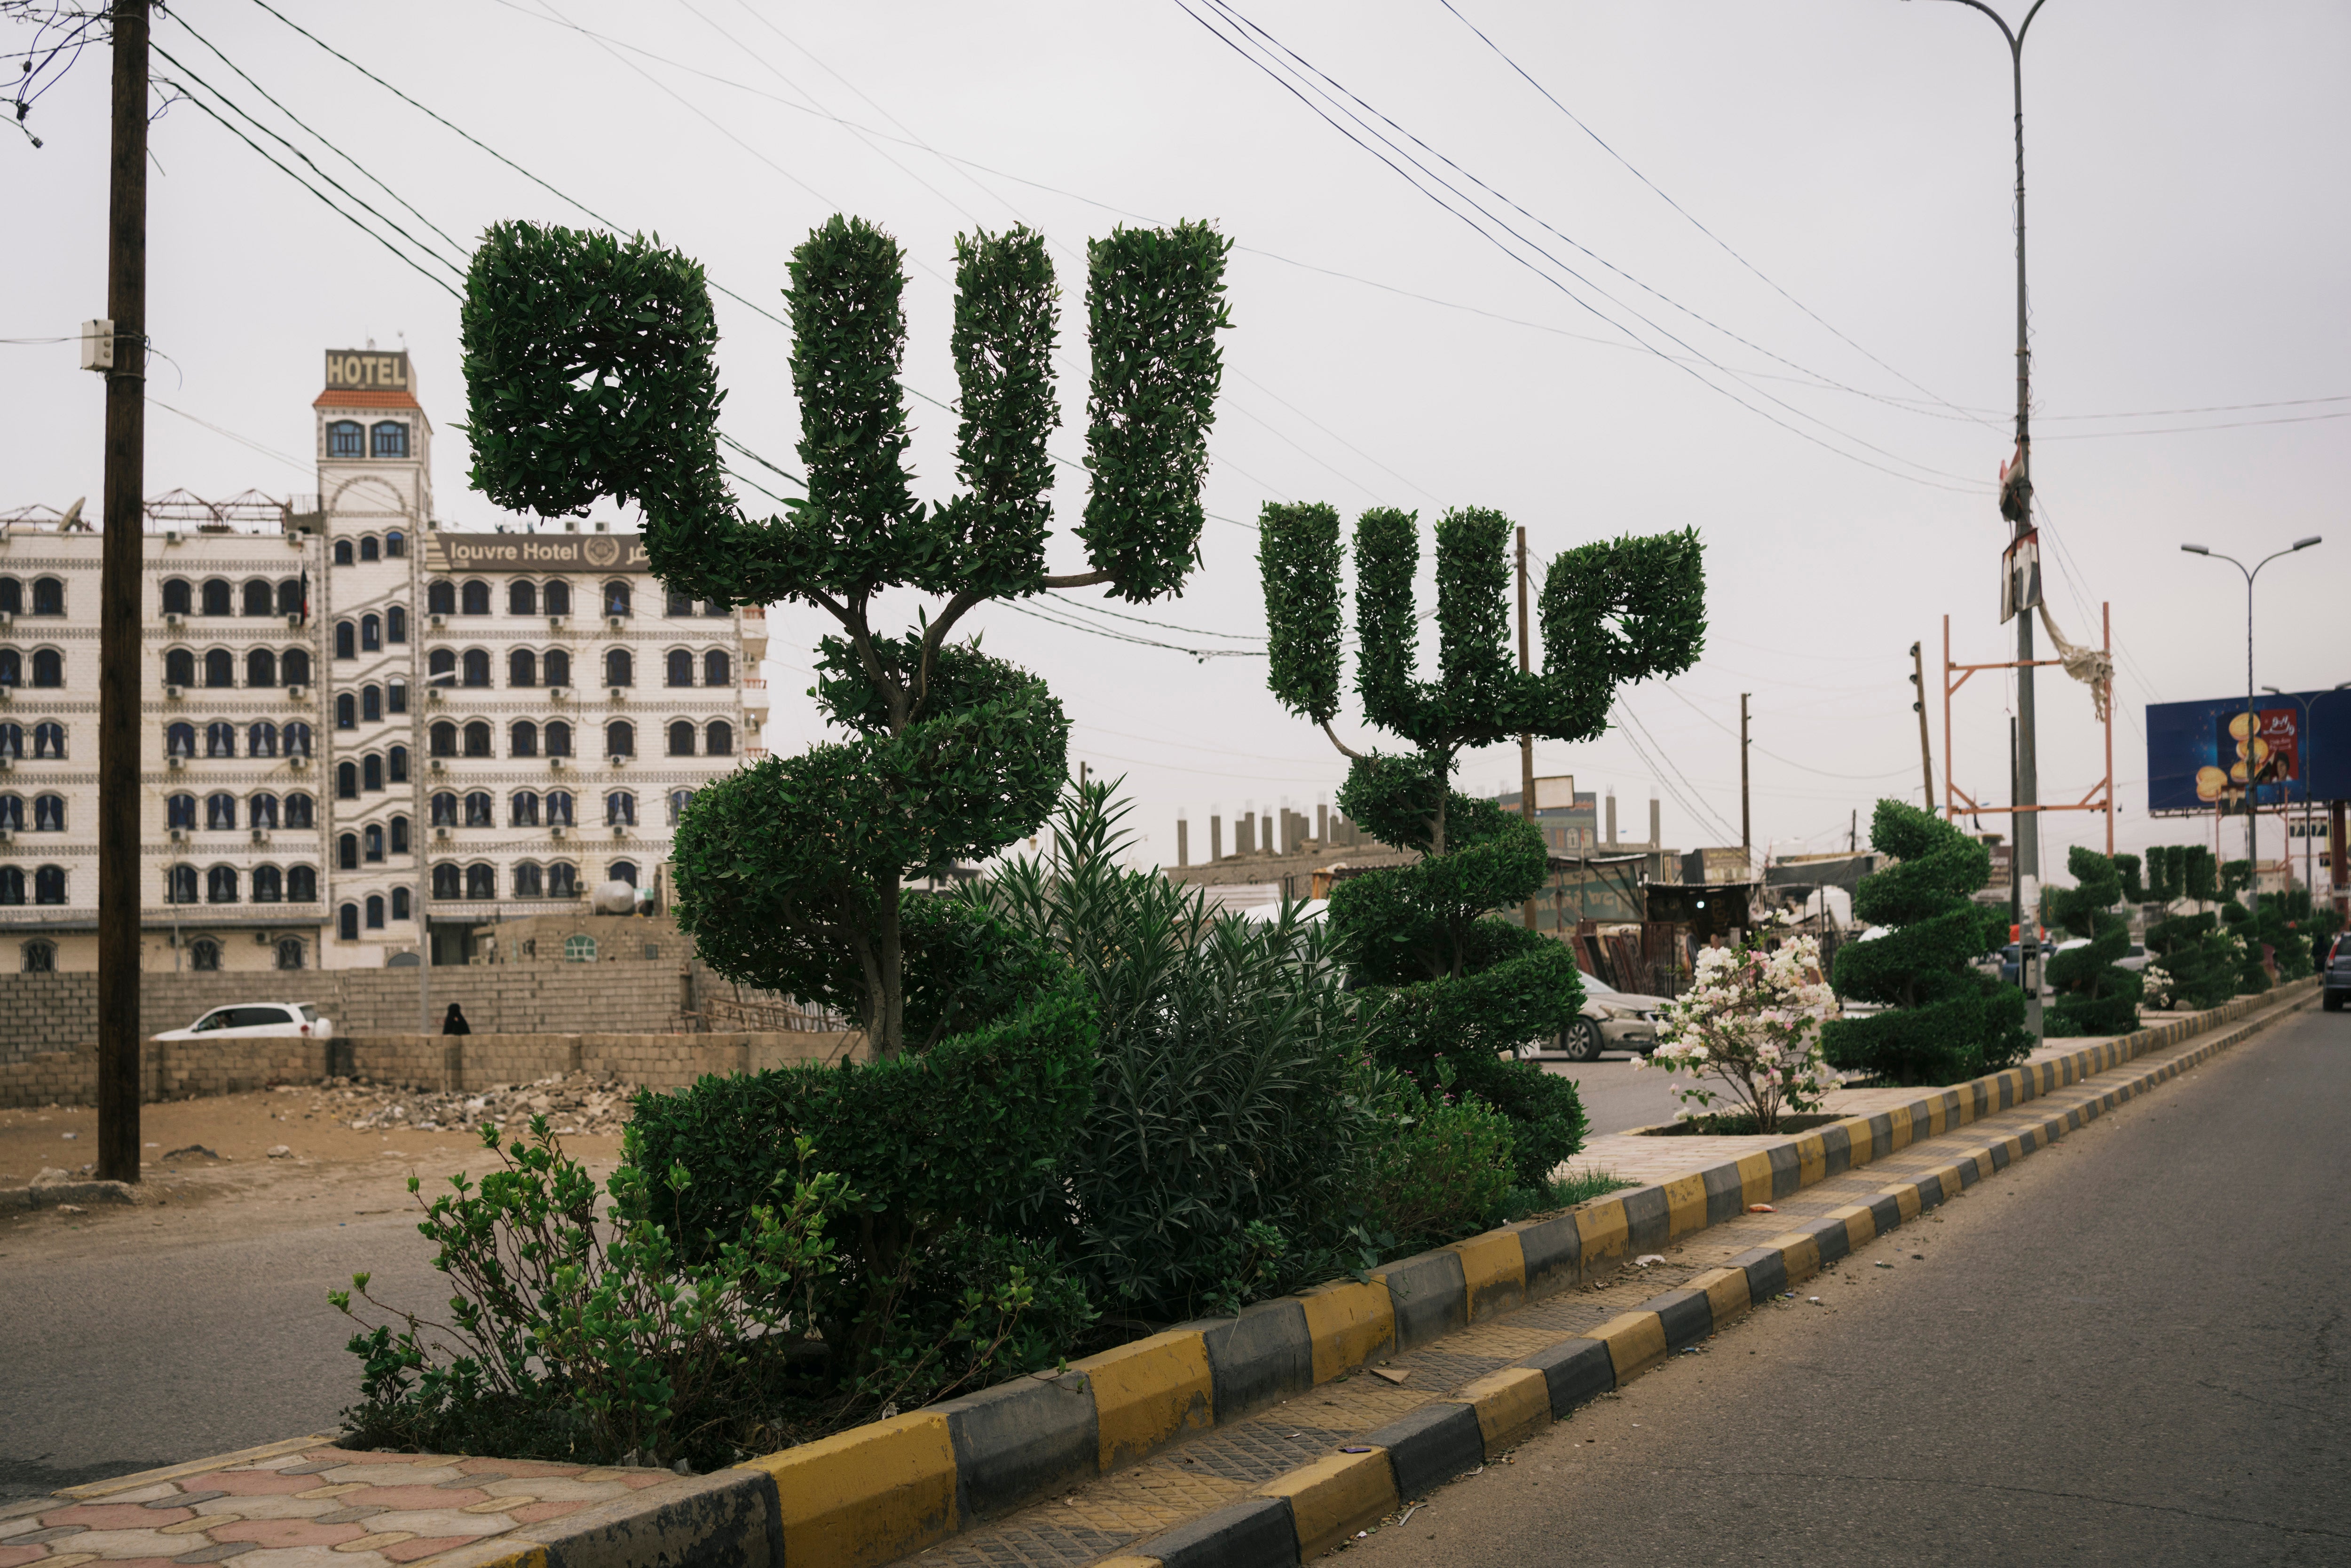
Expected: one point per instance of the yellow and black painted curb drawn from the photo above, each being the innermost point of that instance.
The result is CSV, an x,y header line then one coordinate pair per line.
x,y
878,1493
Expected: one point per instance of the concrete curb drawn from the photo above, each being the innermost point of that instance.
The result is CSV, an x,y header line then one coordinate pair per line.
x,y
869,1496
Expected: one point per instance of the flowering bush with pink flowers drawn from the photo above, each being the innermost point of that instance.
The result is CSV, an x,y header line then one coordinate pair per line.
x,y
1747,1032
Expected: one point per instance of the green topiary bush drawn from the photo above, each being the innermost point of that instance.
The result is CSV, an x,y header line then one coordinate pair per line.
x,y
2093,996
1944,1022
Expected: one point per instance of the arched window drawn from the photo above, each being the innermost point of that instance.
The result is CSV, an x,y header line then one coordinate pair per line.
x,y
290,596
679,800
395,624
478,668
563,881
342,552
347,852
179,740
347,782
558,598
619,739
677,606
370,550
523,740
260,668
527,882
440,662
40,957
400,904
12,884
522,810
522,668
448,882
480,809
347,712
391,438
443,738
49,596
180,885
481,880
444,810
400,845
620,809
179,667
681,667
12,666
302,885
477,739
297,739
48,740
260,599
180,811
395,545
522,597
371,634
289,952
396,764
347,923
347,640
294,669
204,955
440,598
718,669
344,438
616,598
49,668
220,668
50,815
621,871
558,808
300,813
220,739
680,738
718,740
375,912
558,670
371,703
619,669
558,736
12,596
476,596
12,739
216,599
50,884
371,842
261,811
269,885
12,812
176,600
220,885
371,772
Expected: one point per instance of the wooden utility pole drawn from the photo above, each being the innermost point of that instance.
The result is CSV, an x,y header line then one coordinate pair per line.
x,y
1745,835
118,609
1526,742
1918,706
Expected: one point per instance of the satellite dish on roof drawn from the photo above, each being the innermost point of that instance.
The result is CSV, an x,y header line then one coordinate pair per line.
x,y
614,897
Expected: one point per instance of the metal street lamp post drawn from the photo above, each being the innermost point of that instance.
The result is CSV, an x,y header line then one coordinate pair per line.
x,y
2252,763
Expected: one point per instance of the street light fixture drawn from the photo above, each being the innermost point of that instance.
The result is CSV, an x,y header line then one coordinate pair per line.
x,y
2252,763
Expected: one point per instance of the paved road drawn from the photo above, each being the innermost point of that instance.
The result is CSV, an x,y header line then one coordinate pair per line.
x,y
2131,1348
1616,1097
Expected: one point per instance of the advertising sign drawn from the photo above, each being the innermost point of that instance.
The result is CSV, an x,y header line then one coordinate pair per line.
x,y
446,552
2020,575
2215,755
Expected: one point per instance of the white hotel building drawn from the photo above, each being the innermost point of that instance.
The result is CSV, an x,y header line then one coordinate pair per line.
x,y
363,731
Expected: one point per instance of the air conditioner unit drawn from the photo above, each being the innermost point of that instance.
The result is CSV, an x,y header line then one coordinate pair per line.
x,y
261,835
8,835
618,622
555,832
8,618
442,834
556,764
171,535
558,623
558,694
7,761
176,762
298,761
437,621
432,695
175,693
261,939
619,693
617,760
174,620
438,765
179,835
620,830
294,623
297,693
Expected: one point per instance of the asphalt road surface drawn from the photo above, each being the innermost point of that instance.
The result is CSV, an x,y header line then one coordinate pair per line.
x,y
2130,1348
1617,1095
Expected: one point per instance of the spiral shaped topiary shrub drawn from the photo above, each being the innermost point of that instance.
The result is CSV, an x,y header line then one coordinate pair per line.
x,y
2093,996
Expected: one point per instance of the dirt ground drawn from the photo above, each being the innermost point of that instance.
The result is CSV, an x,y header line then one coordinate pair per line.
x,y
327,1166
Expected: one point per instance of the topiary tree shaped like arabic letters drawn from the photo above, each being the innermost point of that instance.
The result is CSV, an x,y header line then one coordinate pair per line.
x,y
1463,987
2094,996
589,367
1944,1022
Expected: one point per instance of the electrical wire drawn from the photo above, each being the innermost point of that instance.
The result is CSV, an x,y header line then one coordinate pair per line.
x,y
1200,654
1162,625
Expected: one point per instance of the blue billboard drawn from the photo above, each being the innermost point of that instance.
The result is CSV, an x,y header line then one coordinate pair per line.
x,y
2203,755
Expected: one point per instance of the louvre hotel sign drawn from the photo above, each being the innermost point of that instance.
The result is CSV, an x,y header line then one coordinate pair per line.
x,y
445,551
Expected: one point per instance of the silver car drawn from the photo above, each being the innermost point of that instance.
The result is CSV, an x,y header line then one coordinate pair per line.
x,y
257,1020
1610,1020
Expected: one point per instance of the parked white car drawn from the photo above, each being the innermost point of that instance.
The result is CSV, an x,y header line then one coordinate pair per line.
x,y
1610,1020
257,1020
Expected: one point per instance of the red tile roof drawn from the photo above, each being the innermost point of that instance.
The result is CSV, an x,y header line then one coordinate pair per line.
x,y
364,397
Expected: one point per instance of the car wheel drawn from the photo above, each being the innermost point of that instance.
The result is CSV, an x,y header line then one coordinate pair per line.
x,y
1583,1041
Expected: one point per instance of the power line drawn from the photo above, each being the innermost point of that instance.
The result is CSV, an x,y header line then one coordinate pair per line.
x,y
1201,654
1162,625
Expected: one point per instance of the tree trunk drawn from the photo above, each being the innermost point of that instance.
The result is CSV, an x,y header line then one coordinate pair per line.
x,y
888,1031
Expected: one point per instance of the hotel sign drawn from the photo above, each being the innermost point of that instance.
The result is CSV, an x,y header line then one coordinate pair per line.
x,y
445,551
368,370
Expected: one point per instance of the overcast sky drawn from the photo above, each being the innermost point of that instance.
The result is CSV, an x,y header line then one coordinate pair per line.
x,y
1819,379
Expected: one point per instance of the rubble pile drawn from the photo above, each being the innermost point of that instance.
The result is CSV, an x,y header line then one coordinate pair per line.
x,y
575,1104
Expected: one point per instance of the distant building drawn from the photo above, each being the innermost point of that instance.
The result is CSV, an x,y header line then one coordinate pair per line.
x,y
1595,876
